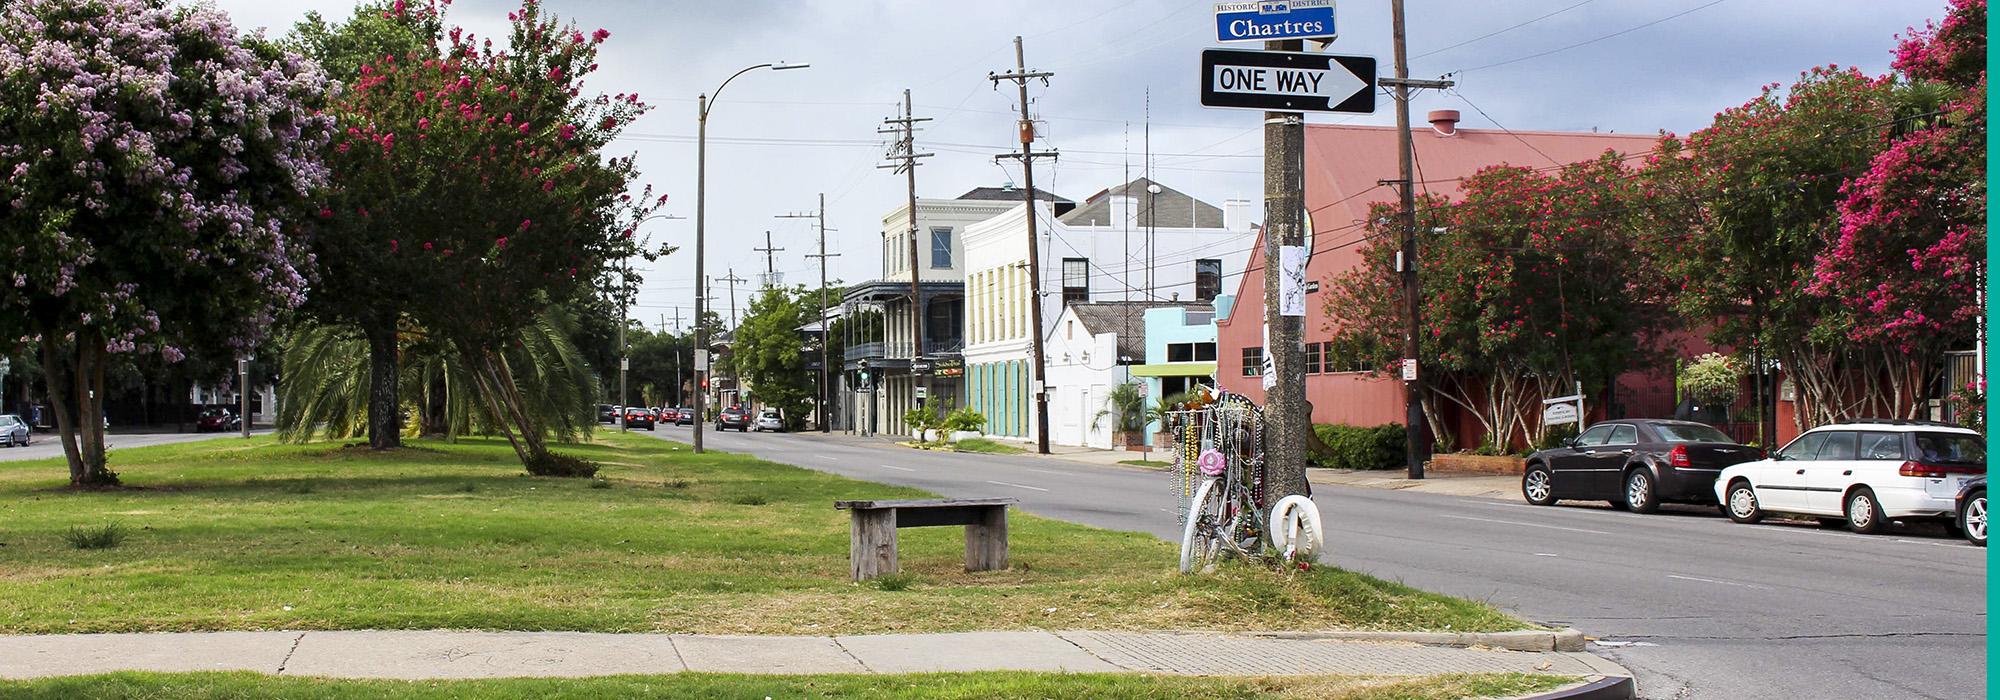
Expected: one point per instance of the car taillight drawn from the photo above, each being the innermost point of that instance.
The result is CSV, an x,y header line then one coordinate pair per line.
x,y
1678,457
1935,471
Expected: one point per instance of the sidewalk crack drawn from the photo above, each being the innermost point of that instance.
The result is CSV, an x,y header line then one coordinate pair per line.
x,y
289,652
1095,655
850,654
676,646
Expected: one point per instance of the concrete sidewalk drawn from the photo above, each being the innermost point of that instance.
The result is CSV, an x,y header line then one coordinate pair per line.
x,y
451,654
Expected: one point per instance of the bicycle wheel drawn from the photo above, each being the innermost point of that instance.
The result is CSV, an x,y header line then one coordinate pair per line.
x,y
1295,528
1198,540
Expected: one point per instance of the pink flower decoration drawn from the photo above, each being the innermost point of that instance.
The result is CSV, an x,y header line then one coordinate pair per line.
x,y
1211,463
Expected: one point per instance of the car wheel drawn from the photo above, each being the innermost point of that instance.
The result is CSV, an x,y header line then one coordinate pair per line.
x,y
1639,492
1538,485
1741,506
1972,519
1864,515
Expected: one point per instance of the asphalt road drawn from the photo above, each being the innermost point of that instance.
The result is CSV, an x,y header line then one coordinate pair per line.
x,y
1697,606
47,445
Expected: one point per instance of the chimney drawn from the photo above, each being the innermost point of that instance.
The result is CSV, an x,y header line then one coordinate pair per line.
x,y
1236,215
1444,122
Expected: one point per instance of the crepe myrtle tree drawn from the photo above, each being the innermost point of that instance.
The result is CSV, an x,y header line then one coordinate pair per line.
x,y
479,172
155,161
1909,260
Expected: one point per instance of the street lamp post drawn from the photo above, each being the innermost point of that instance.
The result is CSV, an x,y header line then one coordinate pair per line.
x,y
702,105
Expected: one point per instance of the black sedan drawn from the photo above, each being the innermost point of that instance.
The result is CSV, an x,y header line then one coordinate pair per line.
x,y
1635,464
636,418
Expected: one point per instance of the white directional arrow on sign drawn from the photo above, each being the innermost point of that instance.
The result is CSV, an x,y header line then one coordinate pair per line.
x,y
1288,81
1334,84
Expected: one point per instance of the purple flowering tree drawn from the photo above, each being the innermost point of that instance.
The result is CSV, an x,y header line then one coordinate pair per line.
x,y
154,162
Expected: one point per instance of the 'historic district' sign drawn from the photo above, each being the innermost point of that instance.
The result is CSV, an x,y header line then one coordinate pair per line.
x,y
1273,20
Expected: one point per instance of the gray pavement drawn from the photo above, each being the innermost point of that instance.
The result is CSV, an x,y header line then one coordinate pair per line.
x,y
49,445
422,655
1696,606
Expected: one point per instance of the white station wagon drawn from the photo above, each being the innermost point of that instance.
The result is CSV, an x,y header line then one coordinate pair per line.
x,y
1866,473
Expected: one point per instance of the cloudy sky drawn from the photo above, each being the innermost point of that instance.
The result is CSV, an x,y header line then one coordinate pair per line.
x,y
778,139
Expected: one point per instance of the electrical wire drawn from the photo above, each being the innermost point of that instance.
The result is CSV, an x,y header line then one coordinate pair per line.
x,y
1580,44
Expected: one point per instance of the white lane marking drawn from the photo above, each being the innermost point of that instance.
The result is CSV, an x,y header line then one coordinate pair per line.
x,y
1511,522
1614,644
1545,554
1045,471
829,459
1725,583
892,466
1018,486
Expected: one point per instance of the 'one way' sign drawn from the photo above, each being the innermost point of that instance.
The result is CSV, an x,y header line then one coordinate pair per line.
x,y
1285,81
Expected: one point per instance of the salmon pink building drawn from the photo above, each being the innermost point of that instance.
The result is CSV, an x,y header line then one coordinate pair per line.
x,y
1344,166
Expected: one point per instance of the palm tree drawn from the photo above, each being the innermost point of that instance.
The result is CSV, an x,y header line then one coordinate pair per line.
x,y
326,383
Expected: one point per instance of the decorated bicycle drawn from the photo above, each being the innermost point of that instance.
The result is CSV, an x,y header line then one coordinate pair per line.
x,y
1220,468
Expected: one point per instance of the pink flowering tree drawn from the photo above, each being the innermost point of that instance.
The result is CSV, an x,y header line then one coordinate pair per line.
x,y
155,164
1528,287
475,176
1908,261
1736,215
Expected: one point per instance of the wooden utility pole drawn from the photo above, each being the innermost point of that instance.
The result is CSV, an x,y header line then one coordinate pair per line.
x,y
1021,75
825,331
903,157
732,279
1416,444
1286,416
770,261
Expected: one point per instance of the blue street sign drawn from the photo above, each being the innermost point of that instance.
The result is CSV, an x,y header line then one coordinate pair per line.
x,y
1271,20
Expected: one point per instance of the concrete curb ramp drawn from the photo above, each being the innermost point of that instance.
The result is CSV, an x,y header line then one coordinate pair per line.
x,y
460,655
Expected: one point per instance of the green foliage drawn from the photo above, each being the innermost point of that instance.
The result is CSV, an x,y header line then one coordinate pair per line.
x,y
751,499
986,446
94,537
920,420
562,465
964,419
1555,436
1125,404
894,582
1713,379
770,354
1350,447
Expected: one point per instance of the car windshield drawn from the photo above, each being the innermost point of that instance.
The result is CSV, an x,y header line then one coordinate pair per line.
x,y
1690,432
9,421
1956,448
218,413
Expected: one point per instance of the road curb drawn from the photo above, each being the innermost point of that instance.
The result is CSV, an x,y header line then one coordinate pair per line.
x,y
1605,688
1566,640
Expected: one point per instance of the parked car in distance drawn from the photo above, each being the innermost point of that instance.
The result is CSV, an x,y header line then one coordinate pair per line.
x,y
217,420
14,432
1867,473
770,421
636,418
1972,510
607,413
683,416
735,418
1635,464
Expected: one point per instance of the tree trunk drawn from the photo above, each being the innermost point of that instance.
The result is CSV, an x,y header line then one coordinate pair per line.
x,y
384,426
76,381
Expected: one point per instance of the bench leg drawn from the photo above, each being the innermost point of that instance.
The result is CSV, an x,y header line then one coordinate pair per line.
x,y
872,543
986,542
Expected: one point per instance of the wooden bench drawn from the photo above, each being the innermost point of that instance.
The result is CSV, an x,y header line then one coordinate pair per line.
x,y
872,550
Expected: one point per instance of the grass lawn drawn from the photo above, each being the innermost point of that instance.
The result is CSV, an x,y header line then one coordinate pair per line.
x,y
235,534
1147,463
985,446
691,685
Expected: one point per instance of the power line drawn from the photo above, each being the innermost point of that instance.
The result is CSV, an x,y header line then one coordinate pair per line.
x,y
1579,44
1492,34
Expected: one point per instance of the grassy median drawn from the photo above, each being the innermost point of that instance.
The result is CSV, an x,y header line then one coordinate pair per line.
x,y
248,686
238,534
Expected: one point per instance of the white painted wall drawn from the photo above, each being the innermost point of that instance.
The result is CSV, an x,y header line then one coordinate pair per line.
x,y
1083,367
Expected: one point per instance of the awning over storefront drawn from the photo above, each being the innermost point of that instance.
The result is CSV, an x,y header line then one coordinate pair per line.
x,y
1175,369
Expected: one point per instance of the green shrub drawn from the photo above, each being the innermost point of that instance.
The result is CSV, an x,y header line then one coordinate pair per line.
x,y
1713,379
553,464
920,419
894,582
1350,447
1555,436
98,537
965,419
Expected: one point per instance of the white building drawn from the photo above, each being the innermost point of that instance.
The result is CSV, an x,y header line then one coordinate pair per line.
x,y
877,382
1159,246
